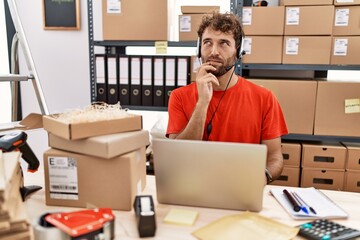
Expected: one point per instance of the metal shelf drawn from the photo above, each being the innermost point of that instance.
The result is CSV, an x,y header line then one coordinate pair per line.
x,y
319,138
109,43
145,108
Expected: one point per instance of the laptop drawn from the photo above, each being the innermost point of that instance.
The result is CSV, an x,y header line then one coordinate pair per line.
x,y
210,174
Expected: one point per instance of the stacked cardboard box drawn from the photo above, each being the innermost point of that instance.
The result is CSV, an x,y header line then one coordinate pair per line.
x,y
96,164
263,28
290,175
352,173
13,219
323,165
346,33
307,32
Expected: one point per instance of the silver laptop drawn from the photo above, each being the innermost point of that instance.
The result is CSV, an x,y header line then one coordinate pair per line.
x,y
210,174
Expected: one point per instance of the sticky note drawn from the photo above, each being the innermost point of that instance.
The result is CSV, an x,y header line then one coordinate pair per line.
x,y
352,105
181,216
161,47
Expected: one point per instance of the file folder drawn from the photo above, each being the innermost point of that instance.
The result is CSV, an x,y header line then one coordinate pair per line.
x,y
158,89
183,71
135,87
146,80
124,75
101,89
170,76
113,84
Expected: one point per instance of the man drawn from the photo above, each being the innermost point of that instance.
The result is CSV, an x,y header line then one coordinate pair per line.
x,y
221,106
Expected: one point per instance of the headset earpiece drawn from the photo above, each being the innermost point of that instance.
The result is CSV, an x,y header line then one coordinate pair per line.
x,y
198,47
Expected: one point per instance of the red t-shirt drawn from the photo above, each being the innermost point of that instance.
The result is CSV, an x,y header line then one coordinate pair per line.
x,y
248,113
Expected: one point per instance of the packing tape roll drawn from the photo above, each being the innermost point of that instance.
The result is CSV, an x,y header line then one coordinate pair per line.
x,y
46,231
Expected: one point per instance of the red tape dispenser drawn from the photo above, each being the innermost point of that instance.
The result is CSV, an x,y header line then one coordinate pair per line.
x,y
85,224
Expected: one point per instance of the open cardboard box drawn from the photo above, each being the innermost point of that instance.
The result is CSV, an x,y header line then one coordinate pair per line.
x,y
72,131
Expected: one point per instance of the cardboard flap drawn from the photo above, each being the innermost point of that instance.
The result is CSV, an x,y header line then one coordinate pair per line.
x,y
32,121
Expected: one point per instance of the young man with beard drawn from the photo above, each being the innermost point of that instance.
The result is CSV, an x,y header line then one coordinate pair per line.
x,y
221,106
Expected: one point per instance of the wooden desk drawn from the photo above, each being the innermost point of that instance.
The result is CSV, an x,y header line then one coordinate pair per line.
x,y
126,225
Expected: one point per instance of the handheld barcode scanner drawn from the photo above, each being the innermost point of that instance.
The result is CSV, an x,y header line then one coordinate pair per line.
x,y
14,141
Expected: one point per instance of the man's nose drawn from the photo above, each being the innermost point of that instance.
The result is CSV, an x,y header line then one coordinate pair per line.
x,y
214,50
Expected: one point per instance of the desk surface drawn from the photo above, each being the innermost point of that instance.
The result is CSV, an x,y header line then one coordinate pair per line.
x,y
126,225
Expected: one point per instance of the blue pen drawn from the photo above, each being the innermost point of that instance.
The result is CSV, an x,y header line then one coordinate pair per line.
x,y
302,207
301,200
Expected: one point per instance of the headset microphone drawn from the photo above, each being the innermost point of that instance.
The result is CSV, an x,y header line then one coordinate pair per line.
x,y
228,67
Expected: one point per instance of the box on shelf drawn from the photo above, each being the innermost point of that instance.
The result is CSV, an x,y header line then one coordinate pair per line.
x,y
299,111
323,155
309,20
345,50
307,2
73,131
346,2
263,49
306,50
352,156
337,109
135,20
322,178
105,146
263,20
290,176
190,20
352,181
291,154
347,21
76,180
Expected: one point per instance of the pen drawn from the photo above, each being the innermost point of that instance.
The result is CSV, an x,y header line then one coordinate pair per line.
x,y
297,198
293,202
307,205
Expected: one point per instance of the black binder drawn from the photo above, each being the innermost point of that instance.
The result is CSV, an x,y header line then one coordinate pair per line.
x,y
146,81
170,77
124,75
158,81
113,82
101,88
183,71
135,85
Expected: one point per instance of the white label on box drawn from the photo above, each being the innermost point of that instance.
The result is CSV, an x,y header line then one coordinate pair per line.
x,y
247,45
340,46
113,6
352,105
246,16
292,46
63,180
293,16
345,1
342,17
185,24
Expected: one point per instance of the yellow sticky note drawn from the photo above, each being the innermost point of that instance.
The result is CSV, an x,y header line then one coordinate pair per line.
x,y
352,105
181,216
161,47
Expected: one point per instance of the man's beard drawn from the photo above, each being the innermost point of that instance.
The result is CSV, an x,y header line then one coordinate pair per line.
x,y
222,69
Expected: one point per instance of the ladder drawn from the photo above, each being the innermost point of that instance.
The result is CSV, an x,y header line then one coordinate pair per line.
x,y
15,78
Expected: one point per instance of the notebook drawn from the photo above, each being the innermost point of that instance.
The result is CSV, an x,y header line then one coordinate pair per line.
x,y
210,174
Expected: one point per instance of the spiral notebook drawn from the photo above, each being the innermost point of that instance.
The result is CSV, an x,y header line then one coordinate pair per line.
x,y
322,204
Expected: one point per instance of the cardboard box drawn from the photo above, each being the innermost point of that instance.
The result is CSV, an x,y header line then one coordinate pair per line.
x,y
345,50
263,49
290,176
263,20
291,153
306,50
352,181
307,2
309,20
347,21
338,109
90,129
76,180
190,20
322,179
323,155
105,146
135,20
299,111
346,2
352,155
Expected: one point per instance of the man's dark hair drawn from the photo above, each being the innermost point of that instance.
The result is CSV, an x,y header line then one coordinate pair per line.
x,y
224,22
